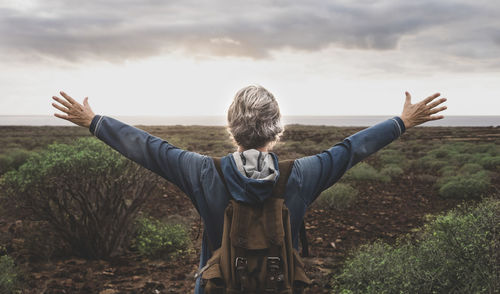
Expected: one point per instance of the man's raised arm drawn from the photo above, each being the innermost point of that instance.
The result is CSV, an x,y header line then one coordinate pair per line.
x,y
178,166
320,171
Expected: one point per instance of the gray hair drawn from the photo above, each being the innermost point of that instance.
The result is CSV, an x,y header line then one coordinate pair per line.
x,y
254,118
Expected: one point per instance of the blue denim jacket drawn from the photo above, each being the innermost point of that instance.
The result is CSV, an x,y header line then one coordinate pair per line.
x,y
196,176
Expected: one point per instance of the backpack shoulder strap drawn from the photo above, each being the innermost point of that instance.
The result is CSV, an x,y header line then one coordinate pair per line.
x,y
285,168
217,165
219,170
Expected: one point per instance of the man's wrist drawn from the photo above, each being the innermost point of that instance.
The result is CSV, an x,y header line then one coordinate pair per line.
x,y
93,123
89,122
406,122
400,124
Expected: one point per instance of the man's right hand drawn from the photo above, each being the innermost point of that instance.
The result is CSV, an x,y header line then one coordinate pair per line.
x,y
76,113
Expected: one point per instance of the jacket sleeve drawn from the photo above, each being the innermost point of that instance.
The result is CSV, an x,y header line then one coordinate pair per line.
x,y
182,168
320,171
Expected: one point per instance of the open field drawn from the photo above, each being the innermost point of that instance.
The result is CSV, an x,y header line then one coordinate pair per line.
x,y
386,207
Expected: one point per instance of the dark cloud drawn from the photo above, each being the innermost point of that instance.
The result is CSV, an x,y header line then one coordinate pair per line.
x,y
115,30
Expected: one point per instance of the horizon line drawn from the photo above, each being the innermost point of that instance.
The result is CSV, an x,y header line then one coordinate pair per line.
x,y
213,115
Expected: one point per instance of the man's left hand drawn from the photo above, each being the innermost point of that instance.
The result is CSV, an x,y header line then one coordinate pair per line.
x,y
423,111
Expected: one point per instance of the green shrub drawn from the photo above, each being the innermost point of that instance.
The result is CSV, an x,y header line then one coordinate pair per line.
x,y
427,178
155,239
460,153
365,172
429,163
465,186
87,192
12,159
448,171
393,157
456,253
491,162
470,168
392,171
460,165
483,148
338,196
8,275
375,268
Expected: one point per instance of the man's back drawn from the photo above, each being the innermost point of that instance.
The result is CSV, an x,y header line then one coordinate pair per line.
x,y
197,176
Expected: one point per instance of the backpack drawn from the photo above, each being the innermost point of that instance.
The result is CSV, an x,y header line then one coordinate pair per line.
x,y
256,253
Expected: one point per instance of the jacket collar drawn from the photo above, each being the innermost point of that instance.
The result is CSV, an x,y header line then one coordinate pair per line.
x,y
245,189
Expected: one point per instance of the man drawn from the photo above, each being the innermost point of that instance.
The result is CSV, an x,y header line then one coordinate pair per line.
x,y
254,122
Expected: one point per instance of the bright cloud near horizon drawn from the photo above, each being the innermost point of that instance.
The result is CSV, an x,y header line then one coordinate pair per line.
x,y
155,57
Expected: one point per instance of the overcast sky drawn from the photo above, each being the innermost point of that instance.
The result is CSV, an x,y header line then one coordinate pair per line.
x,y
158,57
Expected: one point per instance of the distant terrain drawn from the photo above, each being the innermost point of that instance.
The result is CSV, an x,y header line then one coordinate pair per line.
x,y
396,191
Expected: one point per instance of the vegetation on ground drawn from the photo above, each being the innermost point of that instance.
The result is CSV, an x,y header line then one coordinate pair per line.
x,y
395,157
12,159
465,169
9,275
472,185
365,172
458,252
156,239
392,171
420,164
86,191
339,196
457,154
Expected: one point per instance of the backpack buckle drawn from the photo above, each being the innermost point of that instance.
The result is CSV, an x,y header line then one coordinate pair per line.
x,y
273,263
274,275
242,272
240,263
201,270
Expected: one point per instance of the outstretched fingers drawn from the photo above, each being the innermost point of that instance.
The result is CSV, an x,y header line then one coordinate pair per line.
x,y
63,102
430,98
61,116
436,117
71,100
436,110
63,109
436,103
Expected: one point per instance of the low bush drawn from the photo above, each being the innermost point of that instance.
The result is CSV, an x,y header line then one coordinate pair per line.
x,y
87,192
393,157
429,163
9,276
155,239
448,171
392,171
365,172
338,196
491,162
470,168
12,159
465,185
456,253
461,167
458,154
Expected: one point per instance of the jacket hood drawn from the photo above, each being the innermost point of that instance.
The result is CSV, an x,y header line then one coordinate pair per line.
x,y
250,175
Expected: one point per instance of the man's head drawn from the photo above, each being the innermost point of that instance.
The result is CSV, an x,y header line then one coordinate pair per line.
x,y
254,118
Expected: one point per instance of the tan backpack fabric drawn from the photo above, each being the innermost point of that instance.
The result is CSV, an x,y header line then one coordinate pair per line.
x,y
256,253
